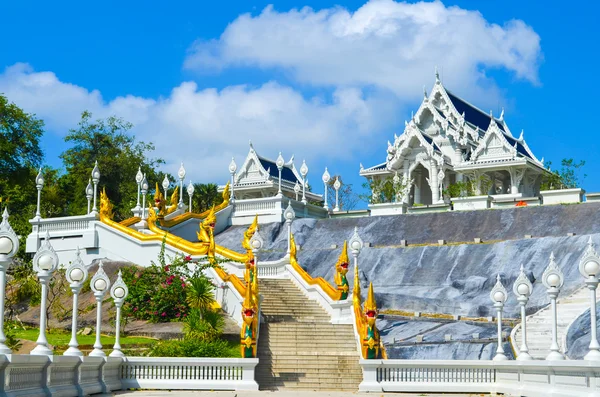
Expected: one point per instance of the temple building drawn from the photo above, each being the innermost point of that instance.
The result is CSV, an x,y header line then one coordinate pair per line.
x,y
448,140
258,177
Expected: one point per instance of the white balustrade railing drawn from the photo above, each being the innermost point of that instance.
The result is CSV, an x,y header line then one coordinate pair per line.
x,y
189,373
525,378
68,223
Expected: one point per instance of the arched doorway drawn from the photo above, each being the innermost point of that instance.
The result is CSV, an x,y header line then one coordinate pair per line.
x,y
420,192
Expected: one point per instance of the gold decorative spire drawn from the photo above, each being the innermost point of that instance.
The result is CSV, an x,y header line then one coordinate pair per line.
x,y
249,233
226,193
292,250
370,304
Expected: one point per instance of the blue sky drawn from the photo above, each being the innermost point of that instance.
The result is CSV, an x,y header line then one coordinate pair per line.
x,y
330,84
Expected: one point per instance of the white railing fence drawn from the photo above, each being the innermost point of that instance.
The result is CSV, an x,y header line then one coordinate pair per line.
x,y
189,373
31,375
531,378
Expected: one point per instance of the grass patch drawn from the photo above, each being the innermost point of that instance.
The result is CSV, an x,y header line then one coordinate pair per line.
x,y
60,337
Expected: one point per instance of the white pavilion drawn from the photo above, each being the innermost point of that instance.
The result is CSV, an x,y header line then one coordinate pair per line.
x,y
449,140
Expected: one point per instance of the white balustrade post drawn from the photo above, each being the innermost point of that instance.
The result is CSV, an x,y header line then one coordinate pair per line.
x,y
45,262
76,275
304,172
139,177
99,284
95,180
356,245
553,280
144,189
589,267
39,184
89,193
289,216
522,289
165,185
232,169
181,175
499,295
9,245
118,292
190,192
326,178
337,185
280,163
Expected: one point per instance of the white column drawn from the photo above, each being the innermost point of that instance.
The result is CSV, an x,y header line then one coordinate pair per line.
x,y
119,293
417,198
524,350
594,353
99,285
500,356
555,353
73,349
39,184
433,178
42,342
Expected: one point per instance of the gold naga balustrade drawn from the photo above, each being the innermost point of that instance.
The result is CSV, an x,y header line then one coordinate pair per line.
x,y
176,242
331,291
371,345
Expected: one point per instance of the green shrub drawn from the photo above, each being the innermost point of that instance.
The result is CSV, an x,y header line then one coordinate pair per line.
x,y
191,347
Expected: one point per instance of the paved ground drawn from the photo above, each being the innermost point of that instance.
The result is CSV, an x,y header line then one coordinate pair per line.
x,y
174,393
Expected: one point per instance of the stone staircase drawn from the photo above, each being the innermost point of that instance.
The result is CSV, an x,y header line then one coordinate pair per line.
x,y
298,349
539,324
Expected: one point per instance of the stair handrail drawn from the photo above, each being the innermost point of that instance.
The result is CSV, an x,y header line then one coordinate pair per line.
x,y
327,288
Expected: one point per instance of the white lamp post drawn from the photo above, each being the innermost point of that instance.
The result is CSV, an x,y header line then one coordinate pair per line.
x,y
326,177
589,267
289,216
76,275
232,169
99,284
138,179
165,186
181,175
256,242
356,245
118,292
498,295
190,192
89,193
337,185
297,189
144,189
553,280
39,184
522,288
9,245
45,262
304,172
280,162
95,179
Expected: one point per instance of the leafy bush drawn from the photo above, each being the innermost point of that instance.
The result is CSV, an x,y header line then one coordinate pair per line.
x,y
161,292
191,347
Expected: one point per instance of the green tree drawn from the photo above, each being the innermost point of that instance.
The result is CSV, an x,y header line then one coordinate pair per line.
x,y
347,199
118,154
205,196
20,158
569,175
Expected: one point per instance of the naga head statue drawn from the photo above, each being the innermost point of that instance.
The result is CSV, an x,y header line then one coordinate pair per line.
x,y
249,233
106,207
159,201
248,311
371,307
174,200
342,264
226,193
211,219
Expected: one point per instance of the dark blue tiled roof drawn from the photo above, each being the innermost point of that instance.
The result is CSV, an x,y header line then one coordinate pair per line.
x,y
472,114
430,141
520,148
286,173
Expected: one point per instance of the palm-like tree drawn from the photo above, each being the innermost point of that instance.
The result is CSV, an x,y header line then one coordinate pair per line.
x,y
200,294
206,195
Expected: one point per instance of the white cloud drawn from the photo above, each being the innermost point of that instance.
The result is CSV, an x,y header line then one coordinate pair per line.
x,y
206,127
384,43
